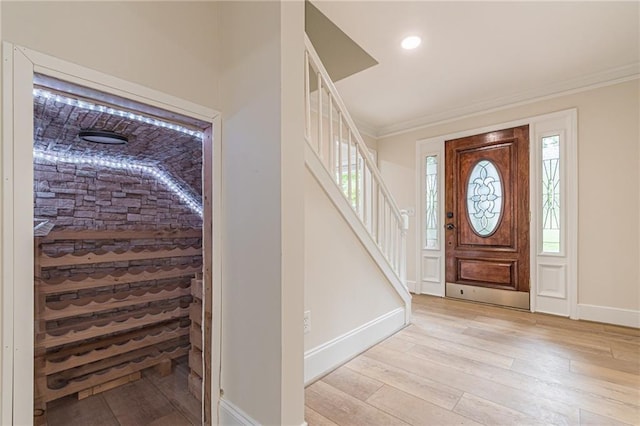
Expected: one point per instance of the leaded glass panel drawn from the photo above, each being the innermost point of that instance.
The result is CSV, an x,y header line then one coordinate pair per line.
x,y
484,198
431,202
551,194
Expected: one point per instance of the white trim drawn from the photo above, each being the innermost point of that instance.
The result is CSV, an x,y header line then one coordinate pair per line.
x,y
216,274
318,170
560,295
17,238
23,256
6,261
432,288
569,118
19,66
231,415
534,218
326,357
605,314
571,194
582,84
411,286
499,126
58,68
433,146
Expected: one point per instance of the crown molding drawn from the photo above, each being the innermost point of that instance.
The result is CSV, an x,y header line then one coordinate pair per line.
x,y
588,82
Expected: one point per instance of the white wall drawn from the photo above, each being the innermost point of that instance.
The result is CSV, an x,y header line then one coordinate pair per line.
x,y
263,164
344,288
167,46
609,185
2,372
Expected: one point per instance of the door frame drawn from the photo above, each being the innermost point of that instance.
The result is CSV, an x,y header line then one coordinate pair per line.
x,y
16,221
559,297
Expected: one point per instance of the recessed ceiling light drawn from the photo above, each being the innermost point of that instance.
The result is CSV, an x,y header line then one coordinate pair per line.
x,y
102,136
411,42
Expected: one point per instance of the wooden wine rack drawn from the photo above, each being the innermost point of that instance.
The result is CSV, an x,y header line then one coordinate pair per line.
x,y
104,336
195,333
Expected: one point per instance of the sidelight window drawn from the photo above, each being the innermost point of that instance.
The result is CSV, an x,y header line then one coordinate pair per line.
x,y
551,194
431,202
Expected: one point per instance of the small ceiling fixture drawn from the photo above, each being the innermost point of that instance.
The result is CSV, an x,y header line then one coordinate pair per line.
x,y
103,136
411,42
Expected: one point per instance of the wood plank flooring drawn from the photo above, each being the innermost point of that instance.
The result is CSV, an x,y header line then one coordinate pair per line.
x,y
465,363
151,401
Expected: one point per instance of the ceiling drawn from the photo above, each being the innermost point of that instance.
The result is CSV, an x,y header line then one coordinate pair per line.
x,y
56,127
340,55
478,55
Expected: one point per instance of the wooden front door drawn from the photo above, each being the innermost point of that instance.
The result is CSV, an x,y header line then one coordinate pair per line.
x,y
487,217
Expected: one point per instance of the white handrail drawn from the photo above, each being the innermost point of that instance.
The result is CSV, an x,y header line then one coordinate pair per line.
x,y
364,188
315,60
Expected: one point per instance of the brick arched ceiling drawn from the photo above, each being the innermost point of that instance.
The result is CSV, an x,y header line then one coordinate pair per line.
x,y
56,127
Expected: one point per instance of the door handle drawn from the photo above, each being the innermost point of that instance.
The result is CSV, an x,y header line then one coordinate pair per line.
x,y
450,226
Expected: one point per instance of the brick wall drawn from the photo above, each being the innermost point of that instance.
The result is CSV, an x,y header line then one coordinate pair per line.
x,y
84,197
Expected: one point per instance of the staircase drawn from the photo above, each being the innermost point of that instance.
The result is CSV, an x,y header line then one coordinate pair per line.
x,y
341,164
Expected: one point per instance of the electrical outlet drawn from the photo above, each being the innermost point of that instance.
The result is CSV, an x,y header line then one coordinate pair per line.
x,y
307,322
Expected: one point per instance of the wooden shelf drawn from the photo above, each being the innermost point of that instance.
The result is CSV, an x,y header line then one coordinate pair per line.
x,y
123,235
87,282
92,380
101,337
105,257
63,377
113,350
196,359
88,305
51,341
100,322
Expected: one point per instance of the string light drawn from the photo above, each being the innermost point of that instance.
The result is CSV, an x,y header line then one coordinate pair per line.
x,y
185,196
44,94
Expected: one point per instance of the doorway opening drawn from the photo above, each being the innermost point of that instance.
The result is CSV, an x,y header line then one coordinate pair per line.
x,y
551,191
119,260
487,217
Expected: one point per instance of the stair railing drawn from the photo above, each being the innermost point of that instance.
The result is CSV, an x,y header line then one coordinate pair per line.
x,y
334,138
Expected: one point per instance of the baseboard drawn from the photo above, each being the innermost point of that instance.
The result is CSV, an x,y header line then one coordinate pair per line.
x,y
326,357
230,415
551,305
617,316
432,289
411,285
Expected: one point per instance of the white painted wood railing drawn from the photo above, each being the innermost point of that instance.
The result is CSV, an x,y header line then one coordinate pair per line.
x,y
333,136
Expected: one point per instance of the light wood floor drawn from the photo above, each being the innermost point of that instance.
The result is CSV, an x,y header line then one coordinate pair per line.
x,y
150,401
465,363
